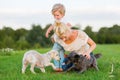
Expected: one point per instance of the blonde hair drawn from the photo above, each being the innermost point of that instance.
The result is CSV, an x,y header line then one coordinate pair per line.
x,y
58,7
62,29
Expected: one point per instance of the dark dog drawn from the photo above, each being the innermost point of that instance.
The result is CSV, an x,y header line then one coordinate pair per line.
x,y
81,63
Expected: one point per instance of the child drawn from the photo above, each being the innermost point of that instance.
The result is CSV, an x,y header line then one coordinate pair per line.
x,y
58,11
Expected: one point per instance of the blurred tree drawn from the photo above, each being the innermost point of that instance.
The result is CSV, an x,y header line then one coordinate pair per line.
x,y
113,34
36,35
90,33
20,33
8,42
37,46
101,36
7,31
7,37
35,38
2,35
22,44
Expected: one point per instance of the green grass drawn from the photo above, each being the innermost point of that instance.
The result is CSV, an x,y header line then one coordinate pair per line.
x,y
10,67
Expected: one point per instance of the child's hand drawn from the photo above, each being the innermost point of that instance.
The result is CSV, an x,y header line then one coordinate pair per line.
x,y
48,31
47,34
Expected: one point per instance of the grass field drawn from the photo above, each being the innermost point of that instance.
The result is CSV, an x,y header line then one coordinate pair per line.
x,y
10,67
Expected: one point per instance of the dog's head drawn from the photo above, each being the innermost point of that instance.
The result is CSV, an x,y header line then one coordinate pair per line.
x,y
54,54
71,57
75,58
78,59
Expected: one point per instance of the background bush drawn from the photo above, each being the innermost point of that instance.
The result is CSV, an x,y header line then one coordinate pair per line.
x,y
35,37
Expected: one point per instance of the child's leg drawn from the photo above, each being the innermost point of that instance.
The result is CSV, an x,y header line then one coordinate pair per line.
x,y
66,65
61,57
61,51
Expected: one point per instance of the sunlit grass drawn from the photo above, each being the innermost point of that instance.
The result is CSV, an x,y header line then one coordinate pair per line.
x,y
10,67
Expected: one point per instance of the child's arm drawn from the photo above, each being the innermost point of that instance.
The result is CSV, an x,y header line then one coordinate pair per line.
x,y
49,30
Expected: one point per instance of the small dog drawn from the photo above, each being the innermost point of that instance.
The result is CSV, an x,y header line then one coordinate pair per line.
x,y
35,59
81,63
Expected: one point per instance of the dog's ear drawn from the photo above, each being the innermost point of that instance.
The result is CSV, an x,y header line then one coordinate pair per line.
x,y
73,53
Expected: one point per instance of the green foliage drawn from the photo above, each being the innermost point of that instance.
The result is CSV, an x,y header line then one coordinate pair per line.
x,y
8,42
20,33
37,46
22,44
35,37
90,33
102,35
10,68
7,31
109,35
34,34
1,35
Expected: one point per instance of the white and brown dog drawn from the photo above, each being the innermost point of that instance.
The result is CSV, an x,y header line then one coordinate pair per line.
x,y
35,59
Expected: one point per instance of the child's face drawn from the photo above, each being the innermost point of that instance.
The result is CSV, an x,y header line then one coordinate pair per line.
x,y
57,15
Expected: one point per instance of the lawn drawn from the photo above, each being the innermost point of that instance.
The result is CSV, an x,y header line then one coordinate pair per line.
x,y
10,67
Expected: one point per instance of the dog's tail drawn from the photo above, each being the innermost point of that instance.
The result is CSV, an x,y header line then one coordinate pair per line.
x,y
98,55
